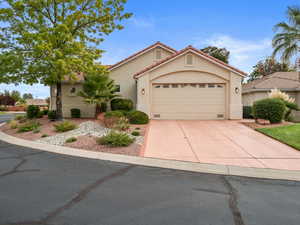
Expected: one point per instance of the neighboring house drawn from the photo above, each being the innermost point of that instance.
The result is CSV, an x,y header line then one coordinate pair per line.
x,y
38,102
169,84
288,82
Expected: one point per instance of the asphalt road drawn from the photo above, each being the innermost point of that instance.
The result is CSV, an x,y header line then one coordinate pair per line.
x,y
8,116
44,188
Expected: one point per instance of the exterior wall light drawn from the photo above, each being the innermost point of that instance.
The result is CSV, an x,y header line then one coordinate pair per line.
x,y
237,90
143,91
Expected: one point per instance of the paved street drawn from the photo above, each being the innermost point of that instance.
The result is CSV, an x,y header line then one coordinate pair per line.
x,y
8,116
44,188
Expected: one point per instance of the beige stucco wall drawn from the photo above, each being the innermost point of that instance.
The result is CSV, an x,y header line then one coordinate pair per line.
x,y
123,75
202,71
70,101
249,98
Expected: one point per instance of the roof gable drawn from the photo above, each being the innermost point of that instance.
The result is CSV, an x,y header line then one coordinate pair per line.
x,y
139,53
195,51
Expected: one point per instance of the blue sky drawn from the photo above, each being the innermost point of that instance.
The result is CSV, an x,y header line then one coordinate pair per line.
x,y
244,27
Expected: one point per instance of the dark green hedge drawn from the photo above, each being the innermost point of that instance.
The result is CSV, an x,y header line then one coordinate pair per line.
x,y
247,112
138,117
121,104
269,109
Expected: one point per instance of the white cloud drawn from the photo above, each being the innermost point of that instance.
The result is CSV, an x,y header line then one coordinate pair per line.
x,y
244,54
142,22
37,90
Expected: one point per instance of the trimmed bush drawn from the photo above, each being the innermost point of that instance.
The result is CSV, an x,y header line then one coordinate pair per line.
x,y
138,117
135,133
45,112
44,135
271,109
115,139
29,126
71,139
52,115
121,104
75,113
64,126
32,111
247,112
40,114
117,114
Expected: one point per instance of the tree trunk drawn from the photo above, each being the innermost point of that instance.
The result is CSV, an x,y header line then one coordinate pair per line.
x,y
58,101
97,110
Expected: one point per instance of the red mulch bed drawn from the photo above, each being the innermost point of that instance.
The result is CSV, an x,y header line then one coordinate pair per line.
x,y
263,124
89,143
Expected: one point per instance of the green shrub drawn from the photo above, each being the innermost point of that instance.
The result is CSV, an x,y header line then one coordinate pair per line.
x,y
45,112
247,112
64,126
137,128
71,139
103,107
138,117
44,135
52,115
121,124
32,111
3,108
40,114
115,139
29,126
13,124
75,113
271,109
117,114
121,104
135,133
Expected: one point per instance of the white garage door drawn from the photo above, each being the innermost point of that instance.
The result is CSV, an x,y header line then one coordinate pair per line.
x,y
188,101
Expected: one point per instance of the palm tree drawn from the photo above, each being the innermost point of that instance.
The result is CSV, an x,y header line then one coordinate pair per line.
x,y
286,41
98,89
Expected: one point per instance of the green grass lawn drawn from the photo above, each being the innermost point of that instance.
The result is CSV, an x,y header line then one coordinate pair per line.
x,y
1,113
289,135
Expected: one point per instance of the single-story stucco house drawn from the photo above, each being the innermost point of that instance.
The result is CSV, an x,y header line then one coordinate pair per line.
x,y
169,84
288,82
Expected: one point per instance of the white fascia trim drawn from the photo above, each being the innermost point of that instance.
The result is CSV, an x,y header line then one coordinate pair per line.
x,y
142,53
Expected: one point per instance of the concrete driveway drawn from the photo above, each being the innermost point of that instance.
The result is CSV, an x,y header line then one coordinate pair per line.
x,y
217,142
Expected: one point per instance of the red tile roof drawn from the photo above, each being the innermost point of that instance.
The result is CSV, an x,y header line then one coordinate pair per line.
x,y
141,52
183,51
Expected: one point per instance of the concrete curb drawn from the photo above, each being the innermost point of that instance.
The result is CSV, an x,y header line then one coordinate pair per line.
x,y
161,163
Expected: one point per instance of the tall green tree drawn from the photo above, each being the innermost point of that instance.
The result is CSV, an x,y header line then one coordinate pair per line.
x,y
98,88
27,96
286,41
49,41
268,66
219,53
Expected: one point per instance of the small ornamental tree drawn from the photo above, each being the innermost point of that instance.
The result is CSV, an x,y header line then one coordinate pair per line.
x,y
97,89
51,41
